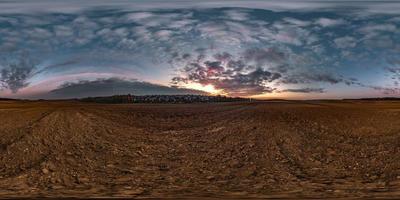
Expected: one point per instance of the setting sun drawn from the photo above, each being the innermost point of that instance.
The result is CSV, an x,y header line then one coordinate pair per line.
x,y
206,88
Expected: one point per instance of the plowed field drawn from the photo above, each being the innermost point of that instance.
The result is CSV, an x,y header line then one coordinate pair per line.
x,y
232,150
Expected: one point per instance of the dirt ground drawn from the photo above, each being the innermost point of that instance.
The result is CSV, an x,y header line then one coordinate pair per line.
x,y
233,150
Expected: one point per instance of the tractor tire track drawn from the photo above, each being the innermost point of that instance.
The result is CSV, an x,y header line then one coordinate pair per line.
x,y
26,129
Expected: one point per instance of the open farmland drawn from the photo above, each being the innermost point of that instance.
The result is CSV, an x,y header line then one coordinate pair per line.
x,y
254,149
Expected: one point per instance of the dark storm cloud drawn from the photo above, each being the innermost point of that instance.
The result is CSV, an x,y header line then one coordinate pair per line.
x,y
14,75
305,90
112,86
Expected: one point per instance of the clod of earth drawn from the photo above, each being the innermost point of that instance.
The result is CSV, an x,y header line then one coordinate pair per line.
x,y
254,149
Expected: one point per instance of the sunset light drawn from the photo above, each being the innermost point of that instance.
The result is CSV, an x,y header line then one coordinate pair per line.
x,y
206,88
199,99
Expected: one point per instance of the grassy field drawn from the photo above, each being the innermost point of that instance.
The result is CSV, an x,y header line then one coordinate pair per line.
x,y
275,149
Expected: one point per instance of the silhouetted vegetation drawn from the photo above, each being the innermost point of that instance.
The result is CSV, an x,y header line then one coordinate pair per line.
x,y
162,99
6,99
378,99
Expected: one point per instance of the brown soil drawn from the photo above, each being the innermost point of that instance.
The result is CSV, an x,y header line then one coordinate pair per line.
x,y
255,150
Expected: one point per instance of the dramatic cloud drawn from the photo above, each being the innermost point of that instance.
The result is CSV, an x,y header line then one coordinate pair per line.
x,y
238,47
112,86
264,56
14,75
231,76
310,77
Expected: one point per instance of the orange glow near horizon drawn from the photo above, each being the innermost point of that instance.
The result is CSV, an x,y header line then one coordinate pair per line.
x,y
271,96
206,88
212,90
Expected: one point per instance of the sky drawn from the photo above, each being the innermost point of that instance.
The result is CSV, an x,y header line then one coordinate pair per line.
x,y
262,49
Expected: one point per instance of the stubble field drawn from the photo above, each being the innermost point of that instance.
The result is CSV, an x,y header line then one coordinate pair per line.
x,y
231,150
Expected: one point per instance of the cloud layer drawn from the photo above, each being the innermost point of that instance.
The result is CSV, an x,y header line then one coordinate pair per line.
x,y
112,86
240,48
14,74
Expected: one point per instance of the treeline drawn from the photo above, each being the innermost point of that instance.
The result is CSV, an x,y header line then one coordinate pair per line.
x,y
162,99
378,99
7,99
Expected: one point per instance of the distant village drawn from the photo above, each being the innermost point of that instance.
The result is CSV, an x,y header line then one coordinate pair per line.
x,y
163,99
